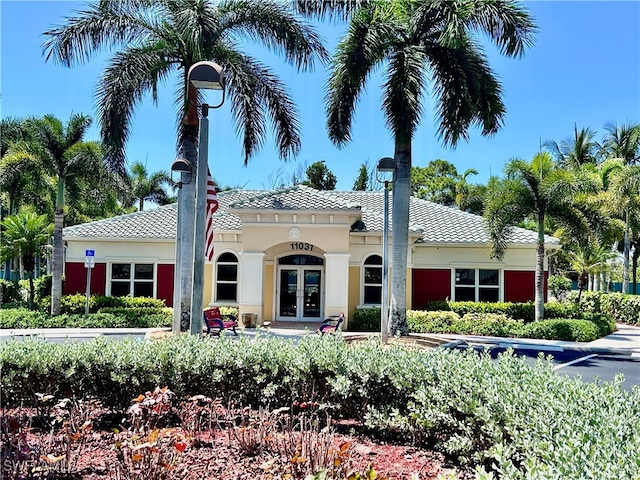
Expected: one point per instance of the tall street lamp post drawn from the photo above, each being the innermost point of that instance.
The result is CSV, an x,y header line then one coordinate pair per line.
x,y
202,75
192,225
386,173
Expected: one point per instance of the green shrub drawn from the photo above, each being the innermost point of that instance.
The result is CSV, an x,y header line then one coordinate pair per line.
x,y
562,310
431,322
603,323
524,421
99,302
559,286
488,324
573,330
620,307
366,320
518,311
77,303
623,308
22,318
142,317
593,326
10,292
438,306
42,285
229,312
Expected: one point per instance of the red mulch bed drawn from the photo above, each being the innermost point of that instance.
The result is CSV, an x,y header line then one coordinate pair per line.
x,y
224,452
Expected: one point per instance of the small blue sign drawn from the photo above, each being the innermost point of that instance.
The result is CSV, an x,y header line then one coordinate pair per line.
x,y
89,253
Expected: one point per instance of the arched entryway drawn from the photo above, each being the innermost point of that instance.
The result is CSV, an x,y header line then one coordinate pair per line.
x,y
299,289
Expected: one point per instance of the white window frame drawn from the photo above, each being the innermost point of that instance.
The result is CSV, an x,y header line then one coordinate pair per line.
x,y
363,277
226,282
133,280
476,287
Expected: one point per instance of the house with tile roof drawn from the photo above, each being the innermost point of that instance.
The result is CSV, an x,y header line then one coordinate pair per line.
x,y
299,254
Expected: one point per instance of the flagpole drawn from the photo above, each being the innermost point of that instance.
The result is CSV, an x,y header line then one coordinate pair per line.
x,y
201,214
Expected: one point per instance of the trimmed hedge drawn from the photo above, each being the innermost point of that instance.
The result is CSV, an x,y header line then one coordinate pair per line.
x,y
573,330
142,317
366,320
620,307
77,303
106,318
517,311
588,329
523,421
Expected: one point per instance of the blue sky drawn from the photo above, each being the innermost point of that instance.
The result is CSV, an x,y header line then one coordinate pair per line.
x,y
583,69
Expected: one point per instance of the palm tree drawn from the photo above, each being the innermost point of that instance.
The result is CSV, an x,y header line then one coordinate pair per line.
x,y
24,236
144,187
574,152
21,176
625,200
159,37
587,259
64,155
622,141
469,196
12,132
537,189
416,40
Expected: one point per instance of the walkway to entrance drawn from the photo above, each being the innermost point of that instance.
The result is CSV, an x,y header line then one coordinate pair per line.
x,y
311,326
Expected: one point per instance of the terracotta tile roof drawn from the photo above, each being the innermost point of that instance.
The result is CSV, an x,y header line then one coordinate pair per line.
x,y
436,223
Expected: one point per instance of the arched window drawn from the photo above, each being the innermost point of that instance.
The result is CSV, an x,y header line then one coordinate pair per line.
x,y
372,282
227,278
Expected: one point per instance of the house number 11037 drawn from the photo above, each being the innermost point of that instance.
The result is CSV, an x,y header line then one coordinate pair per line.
x,y
301,246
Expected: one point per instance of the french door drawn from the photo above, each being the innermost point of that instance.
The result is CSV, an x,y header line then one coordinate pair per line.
x,y
299,292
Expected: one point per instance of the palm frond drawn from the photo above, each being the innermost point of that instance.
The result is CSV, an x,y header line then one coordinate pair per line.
x,y
255,92
277,27
404,88
131,74
76,128
507,23
333,10
506,204
363,47
466,89
106,23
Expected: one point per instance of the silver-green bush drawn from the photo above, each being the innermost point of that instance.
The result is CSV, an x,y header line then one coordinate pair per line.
x,y
520,421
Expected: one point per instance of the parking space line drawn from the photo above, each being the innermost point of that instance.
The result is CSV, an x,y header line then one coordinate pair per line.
x,y
577,360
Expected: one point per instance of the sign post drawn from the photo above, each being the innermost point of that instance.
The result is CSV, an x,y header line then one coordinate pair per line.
x,y
89,262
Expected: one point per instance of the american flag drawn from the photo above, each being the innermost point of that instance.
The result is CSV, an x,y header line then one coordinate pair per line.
x,y
212,206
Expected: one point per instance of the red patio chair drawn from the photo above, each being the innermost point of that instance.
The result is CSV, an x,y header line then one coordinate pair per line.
x,y
331,324
216,323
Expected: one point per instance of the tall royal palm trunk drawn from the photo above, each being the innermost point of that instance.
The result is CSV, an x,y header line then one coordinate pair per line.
x,y
634,269
539,280
58,250
400,238
627,248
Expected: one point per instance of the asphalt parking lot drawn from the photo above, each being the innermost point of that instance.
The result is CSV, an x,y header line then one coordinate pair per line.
x,y
588,365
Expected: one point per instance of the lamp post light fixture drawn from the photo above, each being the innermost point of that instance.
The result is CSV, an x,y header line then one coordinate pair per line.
x,y
202,75
385,173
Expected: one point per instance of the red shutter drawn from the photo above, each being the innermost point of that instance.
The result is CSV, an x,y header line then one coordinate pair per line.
x,y
165,283
521,286
75,278
429,285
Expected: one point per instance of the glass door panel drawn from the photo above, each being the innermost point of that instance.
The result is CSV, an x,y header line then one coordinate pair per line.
x,y
311,294
288,305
